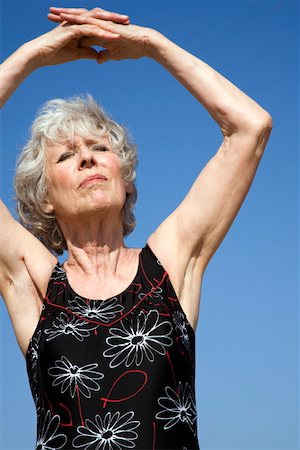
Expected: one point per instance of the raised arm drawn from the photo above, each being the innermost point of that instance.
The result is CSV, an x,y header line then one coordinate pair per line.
x,y
25,263
203,218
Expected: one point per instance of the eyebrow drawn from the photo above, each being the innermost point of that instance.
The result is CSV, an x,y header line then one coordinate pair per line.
x,y
68,145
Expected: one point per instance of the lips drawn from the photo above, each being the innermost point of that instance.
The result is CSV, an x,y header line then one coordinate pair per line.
x,y
92,178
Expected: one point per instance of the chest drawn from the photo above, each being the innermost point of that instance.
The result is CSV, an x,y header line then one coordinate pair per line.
x,y
100,289
104,284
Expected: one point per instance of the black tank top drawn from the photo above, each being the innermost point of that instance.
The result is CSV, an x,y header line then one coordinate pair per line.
x,y
116,373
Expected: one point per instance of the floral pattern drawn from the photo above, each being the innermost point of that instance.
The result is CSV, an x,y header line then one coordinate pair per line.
x,y
49,438
71,376
137,338
112,432
93,309
32,359
180,324
78,328
177,407
116,373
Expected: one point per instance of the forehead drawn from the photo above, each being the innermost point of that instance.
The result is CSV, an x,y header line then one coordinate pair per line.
x,y
74,142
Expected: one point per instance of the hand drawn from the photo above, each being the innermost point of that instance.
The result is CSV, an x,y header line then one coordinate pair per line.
x,y
62,44
133,41
54,15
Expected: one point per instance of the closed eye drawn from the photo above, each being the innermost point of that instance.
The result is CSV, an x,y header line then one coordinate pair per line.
x,y
101,148
65,156
98,147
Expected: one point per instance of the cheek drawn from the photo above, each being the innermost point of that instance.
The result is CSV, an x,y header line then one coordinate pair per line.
x,y
58,181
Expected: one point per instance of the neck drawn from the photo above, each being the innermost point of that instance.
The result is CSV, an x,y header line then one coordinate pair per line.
x,y
94,244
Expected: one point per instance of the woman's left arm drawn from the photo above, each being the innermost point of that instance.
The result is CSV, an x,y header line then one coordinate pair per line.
x,y
201,221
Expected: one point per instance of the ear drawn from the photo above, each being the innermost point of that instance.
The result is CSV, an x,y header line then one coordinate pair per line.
x,y
47,207
129,188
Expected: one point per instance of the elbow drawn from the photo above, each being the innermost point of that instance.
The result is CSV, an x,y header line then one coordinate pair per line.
x,y
262,132
262,122
265,123
259,127
254,135
257,124
254,124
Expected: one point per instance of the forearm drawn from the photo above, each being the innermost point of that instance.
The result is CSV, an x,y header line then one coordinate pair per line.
x,y
13,71
232,109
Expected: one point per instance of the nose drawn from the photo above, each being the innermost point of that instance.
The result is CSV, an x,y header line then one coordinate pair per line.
x,y
86,158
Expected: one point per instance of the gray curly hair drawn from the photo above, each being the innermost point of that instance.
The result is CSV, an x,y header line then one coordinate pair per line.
x,y
57,121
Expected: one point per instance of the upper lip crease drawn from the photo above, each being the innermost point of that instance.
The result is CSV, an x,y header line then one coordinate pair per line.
x,y
96,176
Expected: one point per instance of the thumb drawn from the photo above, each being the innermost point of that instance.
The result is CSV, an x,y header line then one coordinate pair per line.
x,y
87,53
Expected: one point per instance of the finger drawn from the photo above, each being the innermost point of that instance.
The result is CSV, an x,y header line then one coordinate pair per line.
x,y
99,13
56,10
84,19
80,32
54,17
97,31
87,53
96,12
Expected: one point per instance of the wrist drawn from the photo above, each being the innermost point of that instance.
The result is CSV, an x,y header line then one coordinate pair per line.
x,y
157,44
28,57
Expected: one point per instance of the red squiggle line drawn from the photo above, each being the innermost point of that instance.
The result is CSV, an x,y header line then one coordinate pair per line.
x,y
79,405
179,339
53,412
50,406
70,424
116,320
154,435
129,396
133,291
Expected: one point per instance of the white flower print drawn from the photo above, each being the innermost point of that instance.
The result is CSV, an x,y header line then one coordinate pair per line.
x,y
76,327
48,439
33,354
180,324
110,433
155,293
59,274
33,349
138,337
71,376
178,407
94,309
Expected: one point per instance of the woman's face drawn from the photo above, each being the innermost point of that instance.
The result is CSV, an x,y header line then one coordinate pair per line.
x,y
83,177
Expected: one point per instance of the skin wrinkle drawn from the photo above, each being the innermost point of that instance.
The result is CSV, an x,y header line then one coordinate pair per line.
x,y
95,208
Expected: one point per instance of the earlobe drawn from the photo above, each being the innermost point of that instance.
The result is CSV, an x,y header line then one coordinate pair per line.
x,y
129,188
47,207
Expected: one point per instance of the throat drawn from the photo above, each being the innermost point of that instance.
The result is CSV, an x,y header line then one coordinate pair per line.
x,y
104,285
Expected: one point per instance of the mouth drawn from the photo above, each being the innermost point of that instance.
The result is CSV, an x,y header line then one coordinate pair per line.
x,y
93,179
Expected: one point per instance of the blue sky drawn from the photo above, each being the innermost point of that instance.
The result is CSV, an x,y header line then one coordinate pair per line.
x,y
248,330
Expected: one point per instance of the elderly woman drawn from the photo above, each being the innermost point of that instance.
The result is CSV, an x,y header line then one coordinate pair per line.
x,y
109,336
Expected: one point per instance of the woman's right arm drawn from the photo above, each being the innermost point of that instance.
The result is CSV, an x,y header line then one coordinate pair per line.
x,y
25,263
19,249
13,71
